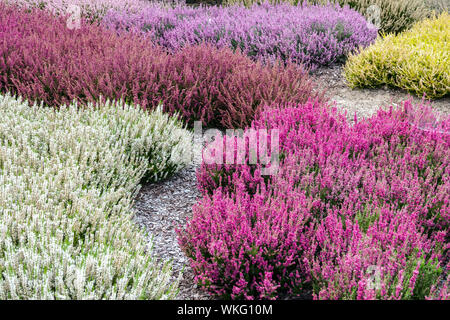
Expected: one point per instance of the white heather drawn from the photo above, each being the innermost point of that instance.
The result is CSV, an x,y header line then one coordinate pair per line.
x,y
67,182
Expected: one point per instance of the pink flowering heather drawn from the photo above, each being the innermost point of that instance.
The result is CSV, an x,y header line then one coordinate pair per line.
x,y
312,35
440,291
377,196
345,259
292,123
92,10
41,59
249,247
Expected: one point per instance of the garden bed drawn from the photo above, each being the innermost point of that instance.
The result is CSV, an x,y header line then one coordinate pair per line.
x,y
172,200
353,203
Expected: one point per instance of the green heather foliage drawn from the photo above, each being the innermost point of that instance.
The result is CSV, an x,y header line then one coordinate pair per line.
x,y
417,60
396,15
438,6
67,180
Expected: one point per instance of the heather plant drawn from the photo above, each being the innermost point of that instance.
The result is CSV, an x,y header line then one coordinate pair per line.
x,y
91,10
249,247
310,35
44,60
440,292
165,143
377,200
41,59
211,176
416,60
68,178
438,6
395,16
388,261
227,90
204,2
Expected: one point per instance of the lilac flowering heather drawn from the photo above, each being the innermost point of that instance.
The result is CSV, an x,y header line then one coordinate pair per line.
x,y
312,35
291,123
41,59
376,197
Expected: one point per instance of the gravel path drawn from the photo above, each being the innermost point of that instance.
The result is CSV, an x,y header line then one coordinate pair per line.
x,y
365,102
163,206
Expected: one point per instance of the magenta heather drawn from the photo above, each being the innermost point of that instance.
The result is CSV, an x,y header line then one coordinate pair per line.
x,y
311,35
249,246
372,201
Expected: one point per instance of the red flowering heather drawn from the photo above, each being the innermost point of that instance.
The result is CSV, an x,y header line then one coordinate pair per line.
x,y
226,89
42,59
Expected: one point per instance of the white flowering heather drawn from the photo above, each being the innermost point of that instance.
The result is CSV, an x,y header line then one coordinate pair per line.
x,y
160,139
67,180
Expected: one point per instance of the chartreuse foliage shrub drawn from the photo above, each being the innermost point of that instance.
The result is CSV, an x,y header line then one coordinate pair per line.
x,y
41,59
417,60
355,211
395,15
67,182
310,35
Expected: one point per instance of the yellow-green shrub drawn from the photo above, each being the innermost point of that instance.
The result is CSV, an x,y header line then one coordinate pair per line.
x,y
416,60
